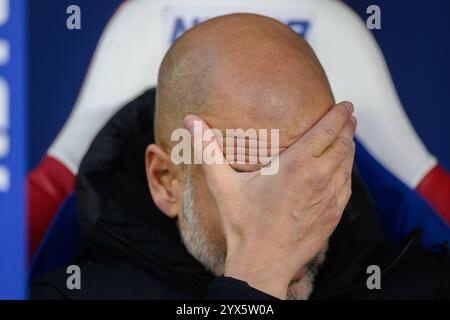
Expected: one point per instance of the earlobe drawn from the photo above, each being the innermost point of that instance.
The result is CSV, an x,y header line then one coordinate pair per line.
x,y
162,179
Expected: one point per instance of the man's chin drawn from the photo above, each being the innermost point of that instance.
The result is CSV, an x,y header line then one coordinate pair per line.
x,y
302,283
301,289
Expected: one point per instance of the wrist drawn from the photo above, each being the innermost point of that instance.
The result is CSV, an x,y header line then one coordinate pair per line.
x,y
259,274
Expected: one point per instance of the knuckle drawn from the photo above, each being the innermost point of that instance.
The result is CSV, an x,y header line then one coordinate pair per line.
x,y
352,148
319,179
299,161
330,131
347,175
344,144
312,143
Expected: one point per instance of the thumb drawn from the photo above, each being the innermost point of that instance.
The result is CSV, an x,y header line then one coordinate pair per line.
x,y
207,150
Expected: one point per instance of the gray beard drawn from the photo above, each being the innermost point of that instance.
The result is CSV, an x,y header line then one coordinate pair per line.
x,y
213,257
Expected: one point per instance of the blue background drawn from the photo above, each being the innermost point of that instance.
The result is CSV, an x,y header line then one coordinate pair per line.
x,y
58,61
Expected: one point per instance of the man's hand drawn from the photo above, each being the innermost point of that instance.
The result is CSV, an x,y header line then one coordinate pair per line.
x,y
274,225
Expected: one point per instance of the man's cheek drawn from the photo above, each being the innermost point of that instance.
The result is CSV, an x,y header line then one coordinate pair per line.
x,y
208,212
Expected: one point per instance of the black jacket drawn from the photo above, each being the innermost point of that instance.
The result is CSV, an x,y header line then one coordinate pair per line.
x,y
133,251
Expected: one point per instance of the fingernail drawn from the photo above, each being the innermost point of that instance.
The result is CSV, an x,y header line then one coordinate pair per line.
x,y
349,106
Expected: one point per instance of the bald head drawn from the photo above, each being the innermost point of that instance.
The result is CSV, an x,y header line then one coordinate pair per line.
x,y
241,71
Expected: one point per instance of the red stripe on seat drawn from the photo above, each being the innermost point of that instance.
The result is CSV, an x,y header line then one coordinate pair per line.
x,y
435,189
47,187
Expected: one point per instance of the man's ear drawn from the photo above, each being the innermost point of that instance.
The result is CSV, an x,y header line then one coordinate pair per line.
x,y
163,178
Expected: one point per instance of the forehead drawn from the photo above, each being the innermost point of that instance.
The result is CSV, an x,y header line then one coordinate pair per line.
x,y
258,118
257,93
266,98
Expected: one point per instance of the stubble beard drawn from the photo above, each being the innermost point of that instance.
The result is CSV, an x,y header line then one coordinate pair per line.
x,y
213,256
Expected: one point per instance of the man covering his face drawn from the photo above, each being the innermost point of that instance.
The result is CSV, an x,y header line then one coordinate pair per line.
x,y
238,71
155,229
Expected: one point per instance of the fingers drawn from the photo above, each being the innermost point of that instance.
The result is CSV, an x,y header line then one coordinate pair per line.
x,y
207,150
342,148
317,139
336,207
326,131
342,183
344,195
338,187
